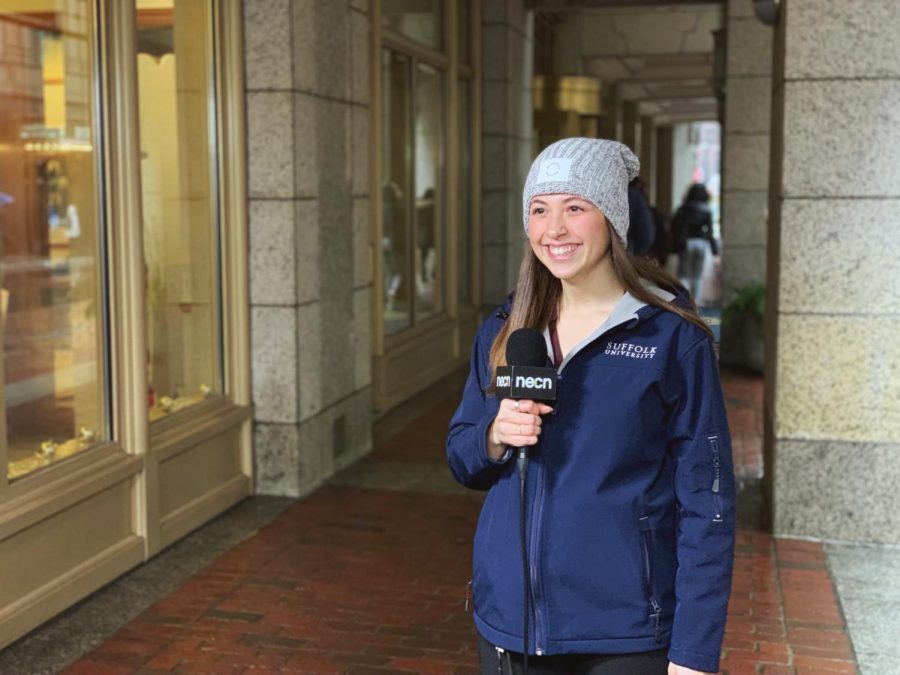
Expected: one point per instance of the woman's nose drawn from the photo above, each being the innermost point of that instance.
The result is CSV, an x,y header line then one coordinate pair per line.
x,y
557,226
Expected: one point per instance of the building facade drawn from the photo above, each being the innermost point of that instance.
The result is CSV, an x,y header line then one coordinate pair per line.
x,y
238,237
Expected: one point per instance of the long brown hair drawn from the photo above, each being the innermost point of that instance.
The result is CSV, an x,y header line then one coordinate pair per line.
x,y
538,293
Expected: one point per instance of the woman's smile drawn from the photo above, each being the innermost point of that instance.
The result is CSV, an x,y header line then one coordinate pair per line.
x,y
561,252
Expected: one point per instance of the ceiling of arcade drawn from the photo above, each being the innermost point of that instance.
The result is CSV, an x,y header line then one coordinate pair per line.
x,y
660,55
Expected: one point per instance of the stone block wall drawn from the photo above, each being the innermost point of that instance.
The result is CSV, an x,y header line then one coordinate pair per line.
x,y
745,140
307,87
833,398
507,152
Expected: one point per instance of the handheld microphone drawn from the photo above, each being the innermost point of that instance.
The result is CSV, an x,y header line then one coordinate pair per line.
x,y
526,377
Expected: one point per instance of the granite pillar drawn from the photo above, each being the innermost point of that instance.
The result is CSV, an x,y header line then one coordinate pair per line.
x,y
648,156
631,125
833,372
745,140
307,80
664,192
507,141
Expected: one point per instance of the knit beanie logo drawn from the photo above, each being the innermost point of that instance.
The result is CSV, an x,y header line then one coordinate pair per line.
x,y
554,169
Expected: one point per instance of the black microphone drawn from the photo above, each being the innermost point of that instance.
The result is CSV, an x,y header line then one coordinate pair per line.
x,y
527,375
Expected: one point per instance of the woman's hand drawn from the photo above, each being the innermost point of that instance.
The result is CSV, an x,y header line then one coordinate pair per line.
x,y
517,424
675,669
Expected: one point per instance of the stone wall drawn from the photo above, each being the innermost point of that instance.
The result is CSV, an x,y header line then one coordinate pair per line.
x,y
508,52
745,141
833,398
307,79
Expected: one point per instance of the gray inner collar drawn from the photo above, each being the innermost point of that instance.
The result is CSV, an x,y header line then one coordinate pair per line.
x,y
624,311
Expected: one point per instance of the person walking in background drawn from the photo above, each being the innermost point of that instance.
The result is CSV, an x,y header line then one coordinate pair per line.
x,y
692,232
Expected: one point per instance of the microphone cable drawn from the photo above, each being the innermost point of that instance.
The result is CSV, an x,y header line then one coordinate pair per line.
x,y
522,464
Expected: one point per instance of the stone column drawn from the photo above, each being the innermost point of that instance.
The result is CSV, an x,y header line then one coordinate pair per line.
x,y
611,115
631,126
833,398
745,141
664,145
307,78
648,156
682,162
507,152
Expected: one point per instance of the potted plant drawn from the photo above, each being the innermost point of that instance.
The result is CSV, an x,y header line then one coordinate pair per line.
x,y
742,328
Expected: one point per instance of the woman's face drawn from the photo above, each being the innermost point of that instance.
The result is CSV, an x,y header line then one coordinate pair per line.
x,y
568,234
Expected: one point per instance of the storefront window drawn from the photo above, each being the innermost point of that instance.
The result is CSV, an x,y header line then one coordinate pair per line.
x,y
464,231
412,191
176,99
51,267
420,20
395,190
429,149
463,27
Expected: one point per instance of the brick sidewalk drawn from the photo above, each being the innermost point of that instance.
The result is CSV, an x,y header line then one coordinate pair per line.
x,y
372,581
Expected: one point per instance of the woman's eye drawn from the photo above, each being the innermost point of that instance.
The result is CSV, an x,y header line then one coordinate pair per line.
x,y
575,207
537,210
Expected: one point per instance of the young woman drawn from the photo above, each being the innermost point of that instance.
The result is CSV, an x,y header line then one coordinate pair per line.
x,y
630,489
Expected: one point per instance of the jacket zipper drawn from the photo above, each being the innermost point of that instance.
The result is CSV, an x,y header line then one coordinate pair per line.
x,y
648,575
533,555
468,594
717,474
499,651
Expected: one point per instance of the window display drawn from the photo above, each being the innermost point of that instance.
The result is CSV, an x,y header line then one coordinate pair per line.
x,y
176,98
51,268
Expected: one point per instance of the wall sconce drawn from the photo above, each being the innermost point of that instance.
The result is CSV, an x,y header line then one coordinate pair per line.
x,y
766,11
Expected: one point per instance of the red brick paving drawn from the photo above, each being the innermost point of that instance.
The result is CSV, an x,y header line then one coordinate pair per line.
x,y
361,581
744,399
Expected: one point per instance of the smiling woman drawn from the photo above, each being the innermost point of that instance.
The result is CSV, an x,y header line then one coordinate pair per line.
x,y
568,234
634,463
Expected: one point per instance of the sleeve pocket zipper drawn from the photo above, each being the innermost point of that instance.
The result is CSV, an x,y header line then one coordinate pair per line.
x,y
717,475
648,574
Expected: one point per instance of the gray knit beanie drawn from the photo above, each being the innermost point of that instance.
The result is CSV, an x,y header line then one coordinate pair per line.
x,y
595,169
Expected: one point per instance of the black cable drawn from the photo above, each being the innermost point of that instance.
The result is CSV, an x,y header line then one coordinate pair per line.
x,y
522,463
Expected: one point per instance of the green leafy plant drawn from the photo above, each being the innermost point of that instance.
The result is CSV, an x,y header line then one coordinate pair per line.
x,y
749,299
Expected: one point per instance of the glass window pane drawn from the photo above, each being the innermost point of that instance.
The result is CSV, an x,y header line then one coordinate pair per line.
x,y
178,187
466,217
420,20
429,191
396,189
51,269
463,25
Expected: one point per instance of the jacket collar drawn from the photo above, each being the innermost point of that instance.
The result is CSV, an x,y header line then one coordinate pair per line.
x,y
628,311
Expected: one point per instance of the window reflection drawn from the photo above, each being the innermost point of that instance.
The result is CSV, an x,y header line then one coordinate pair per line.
x,y
420,20
178,188
395,190
464,230
51,311
429,149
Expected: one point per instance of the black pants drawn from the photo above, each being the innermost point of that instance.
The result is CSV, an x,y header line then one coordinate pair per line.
x,y
510,663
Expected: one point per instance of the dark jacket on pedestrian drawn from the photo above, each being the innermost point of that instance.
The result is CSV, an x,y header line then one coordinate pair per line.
x,y
630,496
693,220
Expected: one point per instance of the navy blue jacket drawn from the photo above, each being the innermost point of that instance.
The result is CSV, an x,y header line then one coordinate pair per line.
x,y
630,496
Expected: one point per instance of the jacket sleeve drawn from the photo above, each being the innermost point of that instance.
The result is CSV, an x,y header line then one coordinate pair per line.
x,y
467,438
704,489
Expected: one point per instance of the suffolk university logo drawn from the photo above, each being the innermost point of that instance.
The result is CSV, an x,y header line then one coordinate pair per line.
x,y
630,350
